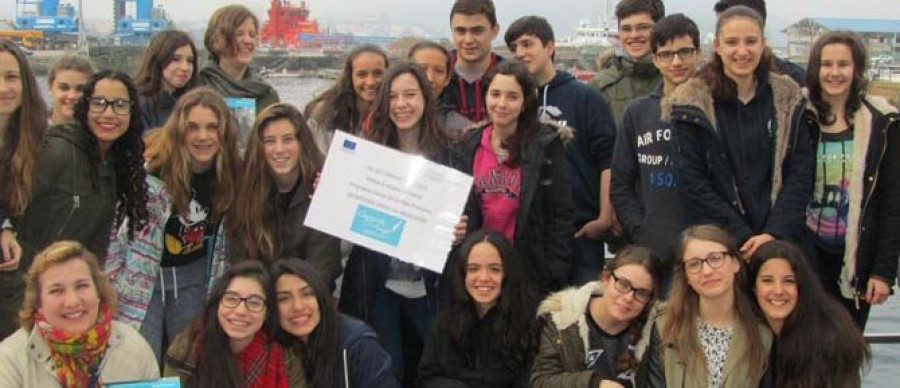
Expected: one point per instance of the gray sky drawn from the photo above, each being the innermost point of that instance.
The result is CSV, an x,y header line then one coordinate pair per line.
x,y
563,14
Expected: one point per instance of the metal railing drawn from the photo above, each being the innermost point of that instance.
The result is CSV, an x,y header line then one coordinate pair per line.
x,y
883,338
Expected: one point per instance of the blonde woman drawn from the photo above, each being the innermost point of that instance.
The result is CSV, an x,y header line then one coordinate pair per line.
x,y
68,337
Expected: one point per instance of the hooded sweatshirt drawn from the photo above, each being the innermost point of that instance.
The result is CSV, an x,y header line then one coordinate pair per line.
x,y
465,98
566,102
643,188
71,199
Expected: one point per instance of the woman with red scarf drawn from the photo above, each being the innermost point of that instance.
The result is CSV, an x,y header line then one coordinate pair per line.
x,y
229,345
67,337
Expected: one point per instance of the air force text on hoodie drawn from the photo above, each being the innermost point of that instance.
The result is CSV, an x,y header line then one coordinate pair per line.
x,y
566,102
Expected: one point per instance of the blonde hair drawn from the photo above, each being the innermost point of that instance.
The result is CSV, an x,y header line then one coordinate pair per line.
x,y
167,156
58,253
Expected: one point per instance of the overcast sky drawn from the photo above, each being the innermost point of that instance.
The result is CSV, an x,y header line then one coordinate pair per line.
x,y
563,14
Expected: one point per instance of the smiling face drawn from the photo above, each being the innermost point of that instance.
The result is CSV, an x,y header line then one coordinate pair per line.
x,y
623,306
66,89
281,148
677,70
535,55
709,282
505,100
776,291
68,298
201,137
245,41
634,34
435,64
740,44
484,275
407,102
239,323
108,126
10,84
367,69
298,309
472,36
180,69
836,70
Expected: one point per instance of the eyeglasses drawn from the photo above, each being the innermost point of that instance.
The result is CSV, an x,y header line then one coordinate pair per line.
x,y
253,303
119,106
713,260
683,53
642,28
624,286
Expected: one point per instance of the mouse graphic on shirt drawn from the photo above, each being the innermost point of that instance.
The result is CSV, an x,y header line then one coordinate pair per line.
x,y
190,231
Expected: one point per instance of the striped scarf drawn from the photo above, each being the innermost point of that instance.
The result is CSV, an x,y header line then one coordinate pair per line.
x,y
76,358
261,363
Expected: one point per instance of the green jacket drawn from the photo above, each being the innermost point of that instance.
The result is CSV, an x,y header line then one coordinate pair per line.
x,y
560,362
661,366
621,80
71,199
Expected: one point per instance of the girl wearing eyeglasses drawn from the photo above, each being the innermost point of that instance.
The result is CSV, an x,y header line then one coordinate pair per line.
x,y
709,334
163,274
230,343
588,334
486,335
90,174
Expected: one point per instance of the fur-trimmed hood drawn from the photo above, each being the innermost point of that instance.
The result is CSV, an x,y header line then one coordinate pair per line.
x,y
567,308
786,96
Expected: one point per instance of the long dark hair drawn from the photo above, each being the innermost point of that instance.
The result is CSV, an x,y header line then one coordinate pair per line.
x,y
21,138
819,342
857,87
514,327
259,220
528,124
432,139
336,107
649,261
720,86
159,53
320,353
127,151
216,364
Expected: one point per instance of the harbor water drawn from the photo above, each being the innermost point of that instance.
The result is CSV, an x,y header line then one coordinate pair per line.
x,y
885,364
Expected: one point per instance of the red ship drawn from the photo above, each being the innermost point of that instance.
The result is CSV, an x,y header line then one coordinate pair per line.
x,y
289,26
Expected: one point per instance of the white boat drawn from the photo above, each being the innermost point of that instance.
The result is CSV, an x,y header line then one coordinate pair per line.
x,y
601,32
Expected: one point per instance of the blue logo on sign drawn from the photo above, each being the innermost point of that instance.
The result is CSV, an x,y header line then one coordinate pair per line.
x,y
349,145
378,225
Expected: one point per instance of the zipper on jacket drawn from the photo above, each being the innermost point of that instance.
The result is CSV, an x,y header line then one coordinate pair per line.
x,y
884,132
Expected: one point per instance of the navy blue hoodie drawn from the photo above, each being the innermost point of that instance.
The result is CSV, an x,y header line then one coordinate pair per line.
x,y
568,102
642,188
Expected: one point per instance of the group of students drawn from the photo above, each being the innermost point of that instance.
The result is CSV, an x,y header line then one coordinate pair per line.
x,y
183,243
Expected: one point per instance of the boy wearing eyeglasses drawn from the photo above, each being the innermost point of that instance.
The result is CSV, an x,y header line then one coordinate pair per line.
x,y
643,184
628,73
